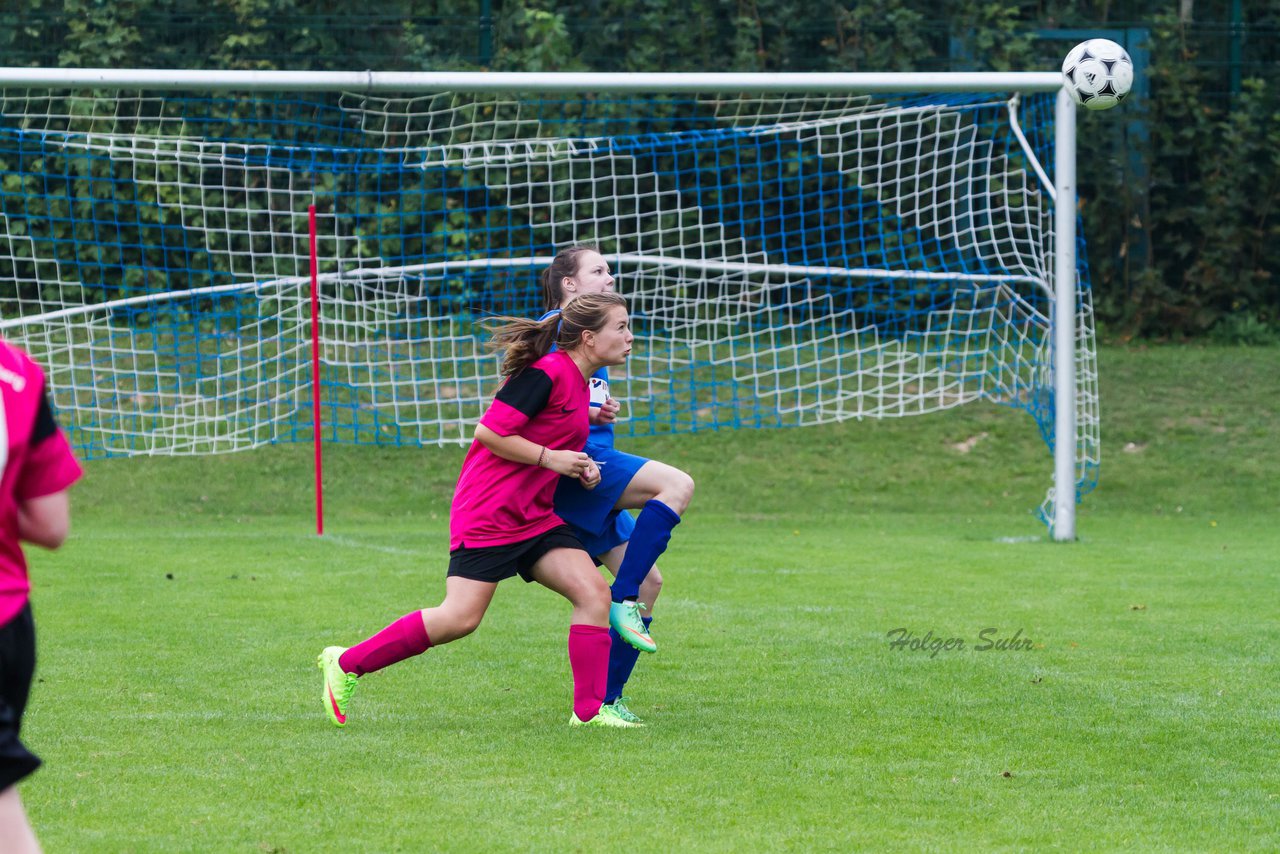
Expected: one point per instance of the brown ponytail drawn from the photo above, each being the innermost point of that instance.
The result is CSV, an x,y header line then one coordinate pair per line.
x,y
523,341
526,341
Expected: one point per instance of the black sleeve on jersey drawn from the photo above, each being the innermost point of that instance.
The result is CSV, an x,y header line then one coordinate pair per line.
x,y
527,391
45,425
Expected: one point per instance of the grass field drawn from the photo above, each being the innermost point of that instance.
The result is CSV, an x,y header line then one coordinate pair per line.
x,y
177,704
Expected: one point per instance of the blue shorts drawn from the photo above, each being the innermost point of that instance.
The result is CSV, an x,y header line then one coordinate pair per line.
x,y
617,530
590,512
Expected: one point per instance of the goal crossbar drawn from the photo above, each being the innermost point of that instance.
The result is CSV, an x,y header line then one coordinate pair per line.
x,y
520,81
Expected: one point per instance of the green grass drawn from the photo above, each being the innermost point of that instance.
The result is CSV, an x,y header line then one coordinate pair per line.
x,y
177,705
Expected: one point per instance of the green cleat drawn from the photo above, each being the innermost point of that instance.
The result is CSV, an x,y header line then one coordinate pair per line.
x,y
607,716
624,617
620,709
339,686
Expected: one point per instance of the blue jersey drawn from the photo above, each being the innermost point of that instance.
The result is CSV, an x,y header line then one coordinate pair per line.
x,y
601,435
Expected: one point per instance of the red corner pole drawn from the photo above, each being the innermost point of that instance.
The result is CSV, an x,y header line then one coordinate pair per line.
x,y
315,369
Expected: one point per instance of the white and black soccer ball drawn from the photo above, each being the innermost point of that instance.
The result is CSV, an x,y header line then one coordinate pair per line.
x,y
1098,74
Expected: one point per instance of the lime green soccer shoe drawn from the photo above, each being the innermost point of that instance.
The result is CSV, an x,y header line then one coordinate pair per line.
x,y
620,709
339,686
607,717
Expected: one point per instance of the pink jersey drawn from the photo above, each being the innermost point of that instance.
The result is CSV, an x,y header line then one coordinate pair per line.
x,y
498,501
37,462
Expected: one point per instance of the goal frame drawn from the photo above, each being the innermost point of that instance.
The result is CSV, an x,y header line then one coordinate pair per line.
x,y
1064,320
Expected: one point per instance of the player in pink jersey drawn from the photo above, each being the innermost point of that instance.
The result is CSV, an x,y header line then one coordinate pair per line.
x,y
502,522
38,469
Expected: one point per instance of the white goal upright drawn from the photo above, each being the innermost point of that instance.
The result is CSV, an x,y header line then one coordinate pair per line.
x,y
797,249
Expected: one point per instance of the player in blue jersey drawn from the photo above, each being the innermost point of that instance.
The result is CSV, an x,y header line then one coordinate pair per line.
x,y
628,546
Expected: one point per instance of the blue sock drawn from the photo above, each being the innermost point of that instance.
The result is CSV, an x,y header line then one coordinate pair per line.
x,y
622,660
648,542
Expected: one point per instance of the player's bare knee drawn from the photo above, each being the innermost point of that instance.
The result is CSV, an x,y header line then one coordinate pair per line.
x,y
651,586
588,590
455,622
468,623
677,492
591,601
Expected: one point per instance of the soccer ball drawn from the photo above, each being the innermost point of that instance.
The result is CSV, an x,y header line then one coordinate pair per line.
x,y
1098,74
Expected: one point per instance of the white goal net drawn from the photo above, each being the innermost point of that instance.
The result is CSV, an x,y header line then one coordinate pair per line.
x,y
789,259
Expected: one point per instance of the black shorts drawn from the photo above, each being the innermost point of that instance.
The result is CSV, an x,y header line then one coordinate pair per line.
x,y
17,666
495,563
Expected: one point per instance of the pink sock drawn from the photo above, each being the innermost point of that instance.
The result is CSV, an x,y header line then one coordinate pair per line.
x,y
404,638
589,661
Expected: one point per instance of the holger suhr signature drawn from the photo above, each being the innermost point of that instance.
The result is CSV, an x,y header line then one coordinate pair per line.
x,y
989,640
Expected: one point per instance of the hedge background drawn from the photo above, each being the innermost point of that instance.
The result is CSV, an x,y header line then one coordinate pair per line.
x,y
1180,187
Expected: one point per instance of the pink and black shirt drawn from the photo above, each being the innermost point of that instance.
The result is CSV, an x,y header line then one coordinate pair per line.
x,y
497,501
37,461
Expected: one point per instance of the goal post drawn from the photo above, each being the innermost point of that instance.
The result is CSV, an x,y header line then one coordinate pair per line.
x,y
797,248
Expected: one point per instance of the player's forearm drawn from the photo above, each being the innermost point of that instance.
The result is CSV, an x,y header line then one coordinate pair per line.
x,y
520,450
